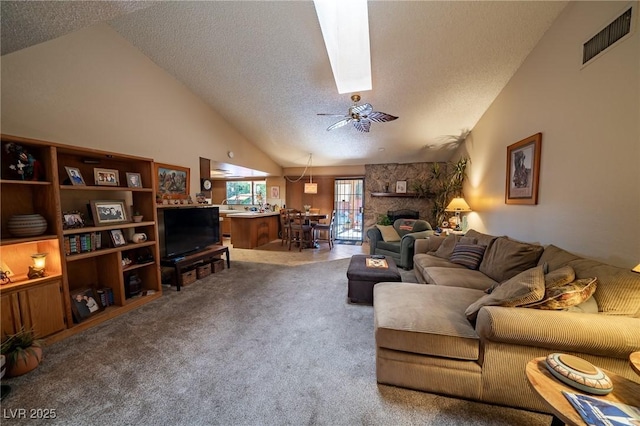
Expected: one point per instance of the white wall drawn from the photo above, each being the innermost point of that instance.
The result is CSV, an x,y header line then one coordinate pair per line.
x,y
94,89
589,193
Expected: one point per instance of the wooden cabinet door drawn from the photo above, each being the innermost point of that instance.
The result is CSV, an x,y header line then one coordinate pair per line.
x,y
9,314
42,308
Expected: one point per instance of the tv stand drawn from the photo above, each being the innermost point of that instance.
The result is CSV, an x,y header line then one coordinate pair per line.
x,y
190,260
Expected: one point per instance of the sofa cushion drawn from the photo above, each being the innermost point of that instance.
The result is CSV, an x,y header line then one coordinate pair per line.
x,y
556,257
467,255
461,277
525,288
447,246
407,226
506,258
482,239
560,277
424,319
618,290
565,296
388,233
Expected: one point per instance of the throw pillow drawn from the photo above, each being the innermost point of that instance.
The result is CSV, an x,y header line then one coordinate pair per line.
x,y
389,233
568,295
525,288
559,277
468,255
589,306
447,246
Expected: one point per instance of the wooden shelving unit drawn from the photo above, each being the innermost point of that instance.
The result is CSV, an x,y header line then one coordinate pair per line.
x,y
70,273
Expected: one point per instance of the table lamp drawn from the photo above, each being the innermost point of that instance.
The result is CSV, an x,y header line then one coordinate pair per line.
x,y
39,263
458,205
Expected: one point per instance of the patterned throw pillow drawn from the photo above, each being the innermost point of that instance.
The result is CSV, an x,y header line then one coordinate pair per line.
x,y
568,295
389,233
468,255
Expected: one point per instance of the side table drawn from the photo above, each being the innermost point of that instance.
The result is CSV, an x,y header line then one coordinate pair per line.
x,y
550,389
634,360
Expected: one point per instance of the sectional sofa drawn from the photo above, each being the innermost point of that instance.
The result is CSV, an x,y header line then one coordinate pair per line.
x,y
469,331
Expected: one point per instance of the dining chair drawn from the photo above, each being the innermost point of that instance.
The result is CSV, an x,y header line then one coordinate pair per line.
x,y
327,228
301,231
285,226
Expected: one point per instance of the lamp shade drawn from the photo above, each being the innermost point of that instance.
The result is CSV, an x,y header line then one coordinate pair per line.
x,y
637,268
310,188
458,205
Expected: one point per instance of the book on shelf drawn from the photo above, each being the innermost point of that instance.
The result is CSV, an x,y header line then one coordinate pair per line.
x,y
599,412
106,296
82,243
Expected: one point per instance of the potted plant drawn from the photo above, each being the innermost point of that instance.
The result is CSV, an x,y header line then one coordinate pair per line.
x,y
383,219
137,216
23,352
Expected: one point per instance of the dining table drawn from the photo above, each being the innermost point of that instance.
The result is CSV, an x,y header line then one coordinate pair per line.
x,y
311,219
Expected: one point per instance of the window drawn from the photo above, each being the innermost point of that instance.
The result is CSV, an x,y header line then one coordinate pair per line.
x,y
247,192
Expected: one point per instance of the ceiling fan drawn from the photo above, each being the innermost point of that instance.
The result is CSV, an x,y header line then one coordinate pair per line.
x,y
361,116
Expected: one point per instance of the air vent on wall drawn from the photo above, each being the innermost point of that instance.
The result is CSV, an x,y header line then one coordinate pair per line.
x,y
613,32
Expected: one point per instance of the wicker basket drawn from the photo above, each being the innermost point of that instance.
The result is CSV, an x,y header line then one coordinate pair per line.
x,y
203,270
189,277
217,265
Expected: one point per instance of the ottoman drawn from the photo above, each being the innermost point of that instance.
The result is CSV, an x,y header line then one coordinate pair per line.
x,y
362,278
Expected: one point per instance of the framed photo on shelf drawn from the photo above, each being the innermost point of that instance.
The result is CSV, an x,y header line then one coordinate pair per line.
x,y
172,182
134,180
401,187
106,177
117,237
108,212
523,171
84,304
74,175
73,219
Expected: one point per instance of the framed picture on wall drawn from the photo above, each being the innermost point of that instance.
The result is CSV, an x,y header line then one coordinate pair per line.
x,y
274,192
401,187
523,171
172,182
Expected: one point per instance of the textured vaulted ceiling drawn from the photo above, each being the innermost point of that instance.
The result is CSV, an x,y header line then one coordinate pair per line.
x,y
263,66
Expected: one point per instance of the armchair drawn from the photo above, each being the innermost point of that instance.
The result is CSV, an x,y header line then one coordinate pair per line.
x,y
401,251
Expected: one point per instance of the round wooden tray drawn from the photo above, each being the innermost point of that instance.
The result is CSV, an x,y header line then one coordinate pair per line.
x,y
578,373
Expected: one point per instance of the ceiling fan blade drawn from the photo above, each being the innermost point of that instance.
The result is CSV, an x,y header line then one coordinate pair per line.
x,y
380,117
361,109
362,125
339,124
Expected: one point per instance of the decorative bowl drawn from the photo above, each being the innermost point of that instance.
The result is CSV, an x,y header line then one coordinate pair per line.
x,y
27,225
579,373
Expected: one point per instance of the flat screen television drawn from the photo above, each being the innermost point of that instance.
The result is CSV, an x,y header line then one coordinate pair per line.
x,y
189,230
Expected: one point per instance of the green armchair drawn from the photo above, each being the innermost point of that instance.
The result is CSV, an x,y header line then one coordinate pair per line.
x,y
401,251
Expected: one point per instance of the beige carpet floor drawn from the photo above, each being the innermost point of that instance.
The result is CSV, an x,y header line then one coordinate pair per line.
x,y
257,344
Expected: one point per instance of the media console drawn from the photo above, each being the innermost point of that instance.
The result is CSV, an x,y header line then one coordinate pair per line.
x,y
182,263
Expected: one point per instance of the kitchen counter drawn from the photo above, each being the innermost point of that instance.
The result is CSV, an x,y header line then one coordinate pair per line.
x,y
250,214
253,229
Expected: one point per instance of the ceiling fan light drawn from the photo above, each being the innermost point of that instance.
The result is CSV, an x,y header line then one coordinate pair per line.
x,y
345,29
